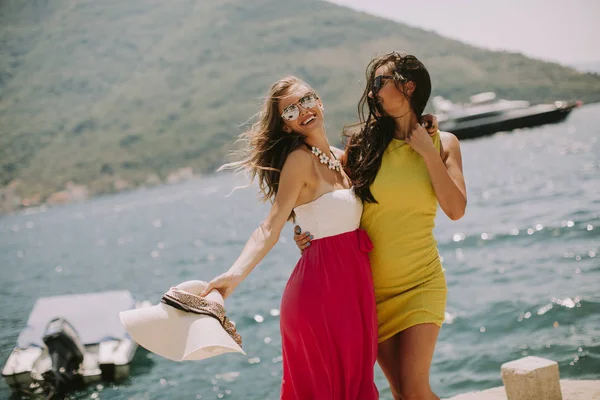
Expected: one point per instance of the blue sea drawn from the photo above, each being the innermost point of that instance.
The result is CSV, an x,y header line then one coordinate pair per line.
x,y
523,267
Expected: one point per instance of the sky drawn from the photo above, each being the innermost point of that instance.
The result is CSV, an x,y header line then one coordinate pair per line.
x,y
567,31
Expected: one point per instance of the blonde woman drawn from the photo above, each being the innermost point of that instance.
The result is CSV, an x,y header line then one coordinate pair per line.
x,y
328,320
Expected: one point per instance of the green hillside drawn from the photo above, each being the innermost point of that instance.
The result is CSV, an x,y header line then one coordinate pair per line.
x,y
95,90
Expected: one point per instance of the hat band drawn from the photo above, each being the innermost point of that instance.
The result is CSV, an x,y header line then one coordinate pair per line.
x,y
188,302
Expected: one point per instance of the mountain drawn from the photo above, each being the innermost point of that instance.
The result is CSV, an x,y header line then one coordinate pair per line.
x,y
113,94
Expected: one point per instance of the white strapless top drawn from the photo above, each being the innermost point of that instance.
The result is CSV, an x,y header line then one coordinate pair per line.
x,y
331,214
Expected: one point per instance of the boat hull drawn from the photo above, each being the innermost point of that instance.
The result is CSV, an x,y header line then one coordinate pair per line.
x,y
517,119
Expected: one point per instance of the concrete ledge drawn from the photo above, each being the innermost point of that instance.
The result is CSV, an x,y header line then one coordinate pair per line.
x,y
531,378
571,390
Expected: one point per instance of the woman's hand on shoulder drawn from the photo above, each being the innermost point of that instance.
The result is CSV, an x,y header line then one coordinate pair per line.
x,y
420,141
430,122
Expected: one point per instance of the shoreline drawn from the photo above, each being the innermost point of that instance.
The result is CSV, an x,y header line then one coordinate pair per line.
x,y
535,378
571,390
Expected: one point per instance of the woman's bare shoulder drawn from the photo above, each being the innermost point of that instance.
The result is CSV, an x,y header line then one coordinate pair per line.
x,y
299,158
450,146
448,139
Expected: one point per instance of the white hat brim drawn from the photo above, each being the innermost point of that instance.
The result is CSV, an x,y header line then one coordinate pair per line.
x,y
178,335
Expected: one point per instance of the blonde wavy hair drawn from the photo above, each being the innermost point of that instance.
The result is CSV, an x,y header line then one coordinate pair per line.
x,y
267,145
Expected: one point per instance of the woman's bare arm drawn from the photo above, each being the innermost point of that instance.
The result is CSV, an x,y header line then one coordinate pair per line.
x,y
447,177
262,240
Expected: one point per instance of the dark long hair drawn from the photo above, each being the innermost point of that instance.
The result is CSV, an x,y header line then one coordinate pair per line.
x,y
368,139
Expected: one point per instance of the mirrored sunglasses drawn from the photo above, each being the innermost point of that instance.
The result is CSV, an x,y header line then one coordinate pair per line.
x,y
292,112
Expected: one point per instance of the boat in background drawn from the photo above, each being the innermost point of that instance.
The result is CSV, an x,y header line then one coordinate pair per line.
x,y
71,341
485,115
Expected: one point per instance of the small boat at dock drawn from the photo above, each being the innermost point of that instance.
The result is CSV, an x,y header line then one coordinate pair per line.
x,y
71,341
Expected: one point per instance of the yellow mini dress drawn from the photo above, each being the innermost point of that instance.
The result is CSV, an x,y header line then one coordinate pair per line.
x,y
410,286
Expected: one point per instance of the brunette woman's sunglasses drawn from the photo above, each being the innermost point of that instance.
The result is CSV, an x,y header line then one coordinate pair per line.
x,y
380,80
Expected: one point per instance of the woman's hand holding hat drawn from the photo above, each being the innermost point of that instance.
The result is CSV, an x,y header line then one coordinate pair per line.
x,y
224,283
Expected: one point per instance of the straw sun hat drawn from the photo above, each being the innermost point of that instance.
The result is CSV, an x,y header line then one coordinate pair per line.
x,y
184,326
